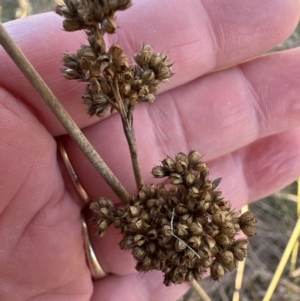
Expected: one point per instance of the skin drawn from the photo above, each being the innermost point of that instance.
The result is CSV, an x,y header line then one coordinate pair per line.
x,y
238,108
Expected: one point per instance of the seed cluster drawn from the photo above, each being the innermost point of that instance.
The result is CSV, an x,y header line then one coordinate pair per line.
x,y
183,229
84,14
113,81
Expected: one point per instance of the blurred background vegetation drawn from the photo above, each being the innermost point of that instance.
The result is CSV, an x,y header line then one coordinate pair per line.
x,y
276,214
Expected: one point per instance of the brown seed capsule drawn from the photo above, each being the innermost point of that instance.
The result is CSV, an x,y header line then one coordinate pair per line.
x,y
232,216
155,60
247,218
189,179
198,273
200,166
181,209
122,64
190,205
181,158
71,25
204,252
151,203
180,245
194,157
161,254
144,56
136,223
239,249
133,211
138,253
222,240
109,24
209,241
248,230
228,229
217,270
179,168
173,200
158,172
189,277
223,205
207,197
206,263
212,229
219,218
71,74
139,239
182,230
151,247
125,89
163,73
175,179
186,219
147,76
169,164
70,61
127,243
167,230
194,242
196,228
156,264
226,257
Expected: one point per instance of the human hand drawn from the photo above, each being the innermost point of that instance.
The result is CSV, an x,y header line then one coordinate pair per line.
x,y
243,119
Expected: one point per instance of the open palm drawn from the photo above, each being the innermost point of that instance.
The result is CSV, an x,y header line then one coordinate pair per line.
x,y
243,118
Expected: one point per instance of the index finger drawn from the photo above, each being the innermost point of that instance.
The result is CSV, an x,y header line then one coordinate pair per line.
x,y
200,36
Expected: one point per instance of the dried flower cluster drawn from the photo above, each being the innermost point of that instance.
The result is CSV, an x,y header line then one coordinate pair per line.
x,y
113,82
183,229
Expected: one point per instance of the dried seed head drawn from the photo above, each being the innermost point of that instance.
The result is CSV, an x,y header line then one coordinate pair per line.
x,y
183,229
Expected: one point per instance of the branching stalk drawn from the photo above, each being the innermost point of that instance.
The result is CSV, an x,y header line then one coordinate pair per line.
x,y
62,115
127,121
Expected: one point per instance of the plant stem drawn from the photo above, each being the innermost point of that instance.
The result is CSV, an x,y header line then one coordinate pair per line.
x,y
127,121
62,115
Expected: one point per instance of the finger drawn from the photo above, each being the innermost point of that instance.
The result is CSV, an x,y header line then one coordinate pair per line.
x,y
209,35
259,169
137,287
224,112
39,223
